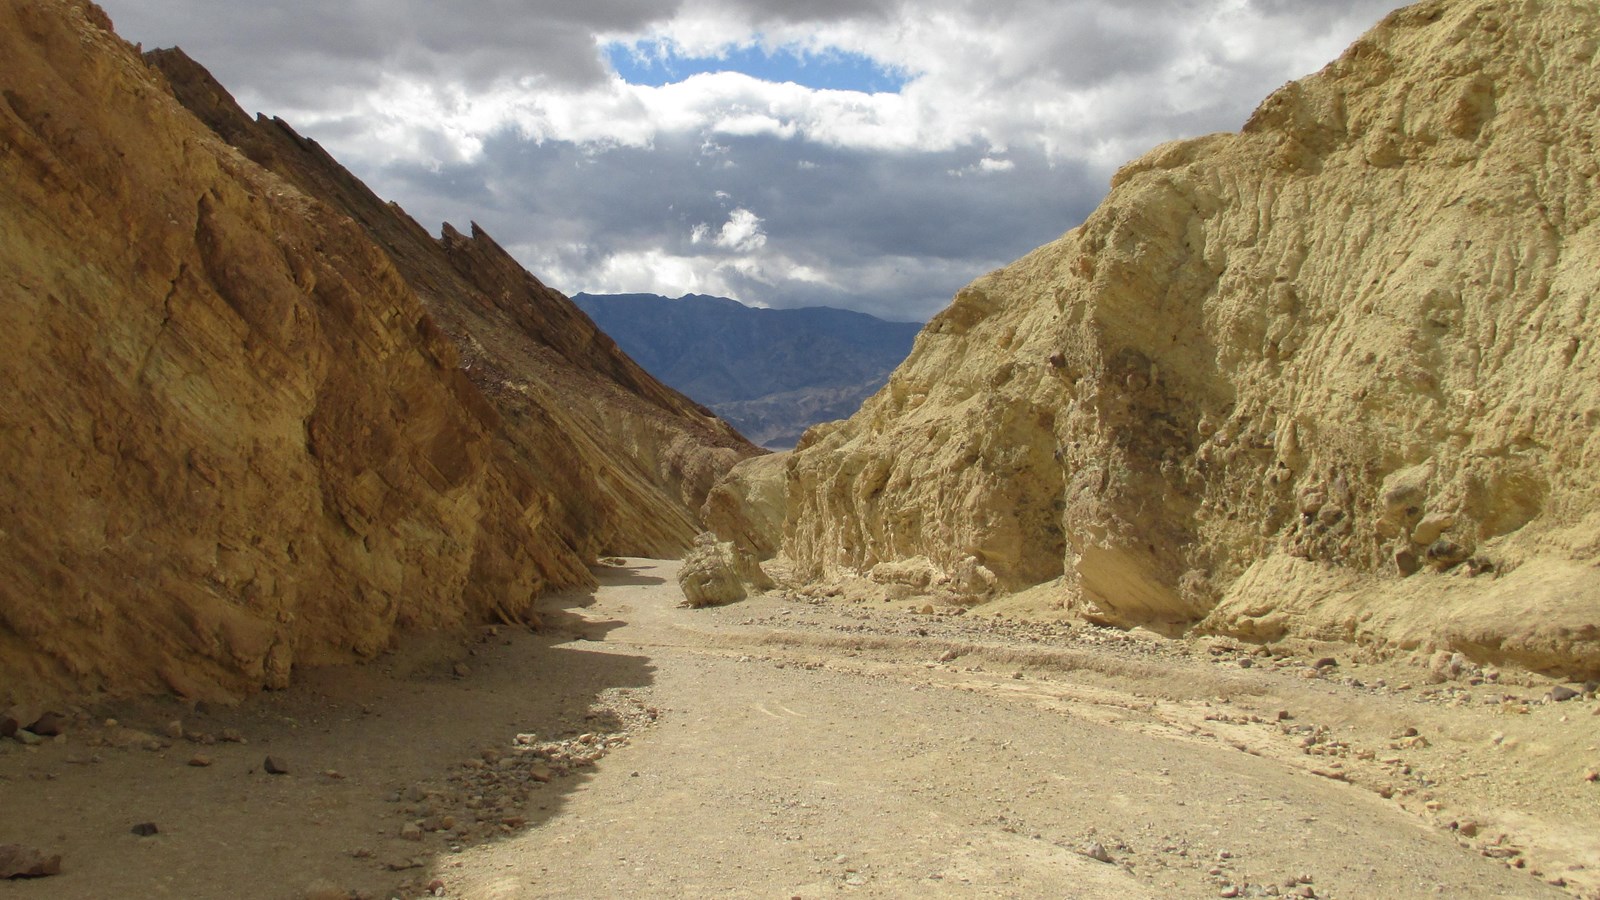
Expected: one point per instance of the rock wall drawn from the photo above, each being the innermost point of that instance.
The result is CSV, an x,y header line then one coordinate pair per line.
x,y
1334,375
237,441
569,399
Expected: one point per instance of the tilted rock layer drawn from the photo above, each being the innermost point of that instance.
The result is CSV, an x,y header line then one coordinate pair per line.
x,y
1335,375
237,441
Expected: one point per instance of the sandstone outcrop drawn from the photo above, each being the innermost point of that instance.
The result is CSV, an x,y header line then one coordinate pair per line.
x,y
1332,376
716,573
257,419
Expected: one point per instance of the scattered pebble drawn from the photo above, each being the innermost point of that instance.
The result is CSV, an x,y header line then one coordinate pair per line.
x,y
200,760
1097,851
145,829
275,766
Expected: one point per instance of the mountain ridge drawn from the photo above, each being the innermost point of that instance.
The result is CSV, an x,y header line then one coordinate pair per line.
x,y
771,373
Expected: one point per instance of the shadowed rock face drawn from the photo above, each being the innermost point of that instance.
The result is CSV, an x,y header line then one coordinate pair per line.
x,y
255,418
1334,375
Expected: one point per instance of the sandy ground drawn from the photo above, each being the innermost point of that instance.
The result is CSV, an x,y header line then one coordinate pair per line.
x,y
802,747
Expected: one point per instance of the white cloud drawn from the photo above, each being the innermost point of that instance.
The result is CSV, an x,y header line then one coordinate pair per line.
x,y
741,233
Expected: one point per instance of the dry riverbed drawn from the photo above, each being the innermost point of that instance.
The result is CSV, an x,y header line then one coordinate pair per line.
x,y
810,747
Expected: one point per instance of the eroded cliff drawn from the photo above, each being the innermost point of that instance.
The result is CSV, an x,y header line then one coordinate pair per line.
x,y
1332,376
254,420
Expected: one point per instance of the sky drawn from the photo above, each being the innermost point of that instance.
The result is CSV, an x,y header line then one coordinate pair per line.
x,y
869,154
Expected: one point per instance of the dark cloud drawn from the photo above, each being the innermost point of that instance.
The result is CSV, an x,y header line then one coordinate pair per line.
x,y
293,53
933,220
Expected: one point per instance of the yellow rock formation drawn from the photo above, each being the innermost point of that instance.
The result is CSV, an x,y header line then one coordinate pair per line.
x,y
1335,375
256,419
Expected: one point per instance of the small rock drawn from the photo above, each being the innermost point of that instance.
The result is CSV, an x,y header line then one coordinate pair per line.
x,y
325,890
145,829
1468,828
411,831
174,730
26,738
200,760
1591,775
461,670
1284,716
927,609
1097,851
1558,694
17,861
275,766
948,656
18,717
1327,662
1231,890
231,736
436,887
49,725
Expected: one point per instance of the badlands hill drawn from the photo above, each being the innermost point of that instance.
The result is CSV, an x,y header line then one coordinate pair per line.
x,y
256,418
1334,376
771,373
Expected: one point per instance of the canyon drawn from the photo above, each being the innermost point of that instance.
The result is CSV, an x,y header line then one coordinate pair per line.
x,y
1242,541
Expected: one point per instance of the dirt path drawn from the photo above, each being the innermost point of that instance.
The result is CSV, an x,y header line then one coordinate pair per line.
x,y
793,748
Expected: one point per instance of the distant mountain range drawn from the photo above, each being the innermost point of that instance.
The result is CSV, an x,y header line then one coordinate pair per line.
x,y
771,373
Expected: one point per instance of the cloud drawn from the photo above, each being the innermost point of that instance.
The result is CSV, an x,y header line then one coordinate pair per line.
x,y
741,233
999,131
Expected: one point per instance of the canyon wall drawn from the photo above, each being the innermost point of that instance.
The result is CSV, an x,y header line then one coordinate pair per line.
x,y
246,429
1333,376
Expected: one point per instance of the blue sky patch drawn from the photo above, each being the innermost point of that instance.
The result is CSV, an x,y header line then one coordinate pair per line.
x,y
657,63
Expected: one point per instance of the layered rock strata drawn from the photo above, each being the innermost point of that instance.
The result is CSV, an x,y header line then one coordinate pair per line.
x,y
1334,375
247,429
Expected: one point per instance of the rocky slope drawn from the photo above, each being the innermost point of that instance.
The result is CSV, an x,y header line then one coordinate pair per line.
x,y
771,373
1332,376
255,418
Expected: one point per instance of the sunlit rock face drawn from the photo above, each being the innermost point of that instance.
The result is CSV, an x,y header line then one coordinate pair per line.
x,y
254,418
1334,375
